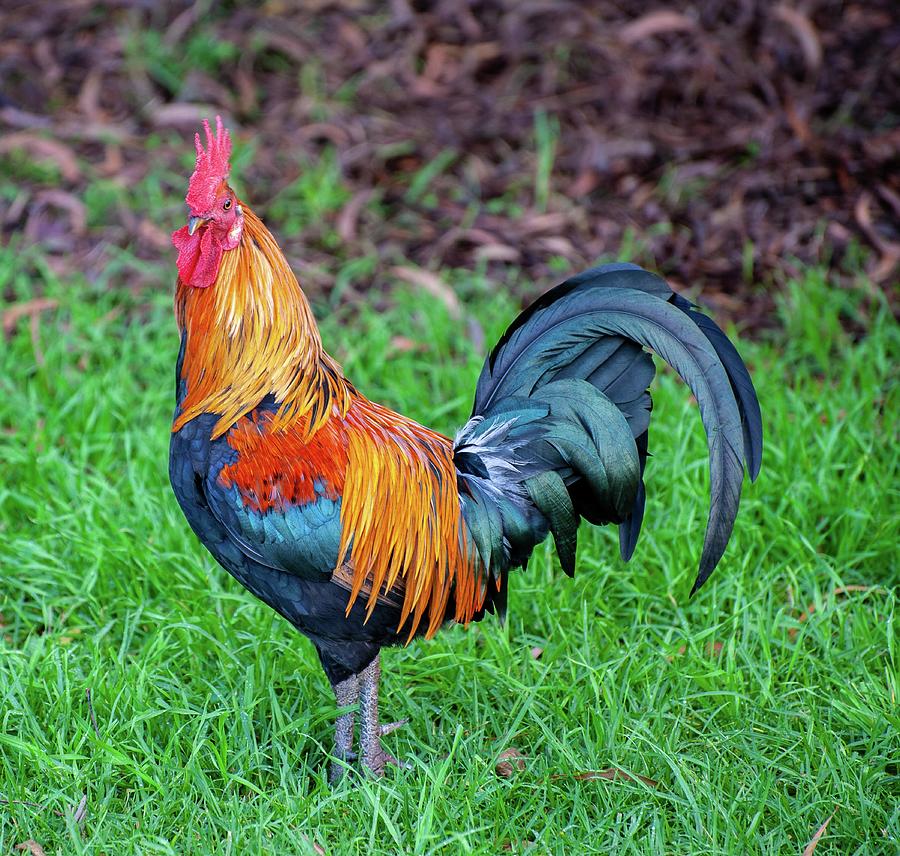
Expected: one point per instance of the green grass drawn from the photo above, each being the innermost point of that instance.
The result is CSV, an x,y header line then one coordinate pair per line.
x,y
213,717
546,134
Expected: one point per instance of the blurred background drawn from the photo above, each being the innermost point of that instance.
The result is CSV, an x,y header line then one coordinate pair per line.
x,y
464,145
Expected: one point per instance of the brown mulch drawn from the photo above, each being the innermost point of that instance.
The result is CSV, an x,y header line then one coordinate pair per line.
x,y
725,143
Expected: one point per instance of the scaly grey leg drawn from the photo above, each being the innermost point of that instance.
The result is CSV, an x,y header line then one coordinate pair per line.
x,y
346,693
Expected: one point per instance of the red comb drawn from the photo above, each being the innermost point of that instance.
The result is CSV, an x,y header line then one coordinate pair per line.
x,y
211,169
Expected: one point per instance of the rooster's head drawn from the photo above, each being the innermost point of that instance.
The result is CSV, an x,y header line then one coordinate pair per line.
x,y
216,221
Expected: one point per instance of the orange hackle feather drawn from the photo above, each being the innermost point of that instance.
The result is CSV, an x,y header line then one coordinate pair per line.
x,y
253,334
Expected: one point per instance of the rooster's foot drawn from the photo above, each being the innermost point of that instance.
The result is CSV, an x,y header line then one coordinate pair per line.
x,y
375,764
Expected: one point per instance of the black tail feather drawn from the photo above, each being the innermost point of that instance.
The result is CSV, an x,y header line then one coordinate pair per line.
x,y
593,328
741,383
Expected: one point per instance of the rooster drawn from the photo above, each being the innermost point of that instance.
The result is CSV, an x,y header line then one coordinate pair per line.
x,y
365,529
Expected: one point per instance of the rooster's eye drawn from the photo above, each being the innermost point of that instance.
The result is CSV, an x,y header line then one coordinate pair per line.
x,y
227,204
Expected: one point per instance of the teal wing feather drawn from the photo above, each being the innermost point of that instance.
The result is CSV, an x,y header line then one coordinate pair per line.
x,y
301,538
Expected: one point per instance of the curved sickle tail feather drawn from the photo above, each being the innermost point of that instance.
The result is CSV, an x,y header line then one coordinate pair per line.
x,y
559,427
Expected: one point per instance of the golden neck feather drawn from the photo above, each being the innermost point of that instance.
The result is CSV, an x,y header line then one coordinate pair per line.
x,y
252,334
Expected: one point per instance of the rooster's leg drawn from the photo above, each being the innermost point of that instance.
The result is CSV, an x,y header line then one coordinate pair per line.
x,y
347,693
374,757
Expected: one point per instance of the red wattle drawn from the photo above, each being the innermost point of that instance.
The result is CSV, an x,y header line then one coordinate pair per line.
x,y
199,256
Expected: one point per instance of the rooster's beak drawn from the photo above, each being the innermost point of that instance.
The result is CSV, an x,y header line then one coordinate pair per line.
x,y
195,223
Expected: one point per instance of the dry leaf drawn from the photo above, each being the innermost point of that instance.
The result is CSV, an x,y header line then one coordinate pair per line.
x,y
510,761
404,345
551,223
30,308
433,284
148,231
79,814
69,203
611,774
842,590
805,33
70,637
32,847
497,253
182,114
349,217
475,332
654,23
89,95
711,649
814,841
557,245
317,848
863,213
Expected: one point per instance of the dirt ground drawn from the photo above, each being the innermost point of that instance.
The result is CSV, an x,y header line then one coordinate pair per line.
x,y
724,143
